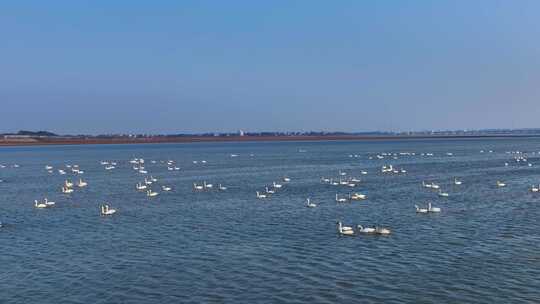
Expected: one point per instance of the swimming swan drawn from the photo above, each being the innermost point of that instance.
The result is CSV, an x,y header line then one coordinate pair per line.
x,y
382,231
443,194
344,230
66,190
363,229
428,209
82,183
151,193
310,204
48,203
340,199
39,205
106,210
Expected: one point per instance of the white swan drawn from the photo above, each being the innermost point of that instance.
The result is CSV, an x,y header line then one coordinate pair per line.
x,y
382,231
457,182
82,183
222,188
260,195
363,229
269,191
197,187
443,194
433,209
286,179
357,196
67,190
340,199
310,204
151,193
278,186
428,209
420,210
387,169
68,184
207,186
165,188
39,205
500,184
140,186
535,188
106,210
344,230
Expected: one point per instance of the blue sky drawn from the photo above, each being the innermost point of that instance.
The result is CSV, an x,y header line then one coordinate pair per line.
x,y
195,66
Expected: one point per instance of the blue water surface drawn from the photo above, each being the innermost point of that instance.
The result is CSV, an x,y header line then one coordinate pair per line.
x,y
230,247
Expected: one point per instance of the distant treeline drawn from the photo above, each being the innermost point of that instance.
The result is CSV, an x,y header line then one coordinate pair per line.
x,y
31,134
24,133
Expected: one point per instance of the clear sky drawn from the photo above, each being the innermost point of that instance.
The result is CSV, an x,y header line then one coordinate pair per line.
x,y
194,66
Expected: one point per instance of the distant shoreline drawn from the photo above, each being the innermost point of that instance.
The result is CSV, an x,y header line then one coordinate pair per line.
x,y
45,141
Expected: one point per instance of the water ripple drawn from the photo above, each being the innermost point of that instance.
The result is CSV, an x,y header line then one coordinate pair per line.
x,y
228,247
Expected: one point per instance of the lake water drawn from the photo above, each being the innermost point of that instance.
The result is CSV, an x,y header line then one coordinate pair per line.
x,y
229,247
